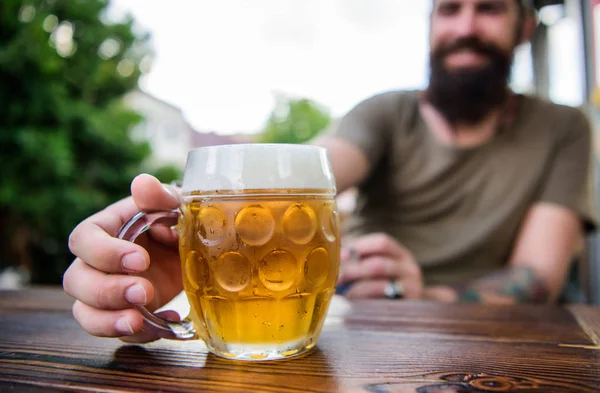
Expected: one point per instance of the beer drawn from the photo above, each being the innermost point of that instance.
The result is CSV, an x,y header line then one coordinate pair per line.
x,y
259,267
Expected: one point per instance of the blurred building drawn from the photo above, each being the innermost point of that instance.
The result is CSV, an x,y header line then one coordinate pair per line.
x,y
170,136
164,127
201,139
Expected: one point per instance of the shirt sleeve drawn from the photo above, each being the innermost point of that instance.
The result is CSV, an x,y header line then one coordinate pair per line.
x,y
367,126
570,175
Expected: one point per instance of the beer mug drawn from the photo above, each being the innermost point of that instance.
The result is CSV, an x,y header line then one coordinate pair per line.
x,y
259,244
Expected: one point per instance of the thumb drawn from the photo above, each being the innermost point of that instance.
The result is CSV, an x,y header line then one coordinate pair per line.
x,y
150,194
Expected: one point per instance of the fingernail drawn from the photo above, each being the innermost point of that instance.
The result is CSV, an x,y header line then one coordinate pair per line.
x,y
136,294
171,191
122,326
134,261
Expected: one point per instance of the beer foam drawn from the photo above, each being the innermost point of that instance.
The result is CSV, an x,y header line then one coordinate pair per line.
x,y
258,166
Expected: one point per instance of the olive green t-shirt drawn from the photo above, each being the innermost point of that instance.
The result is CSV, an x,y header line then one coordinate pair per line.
x,y
459,210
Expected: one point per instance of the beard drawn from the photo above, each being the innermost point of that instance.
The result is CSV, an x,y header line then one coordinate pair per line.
x,y
467,95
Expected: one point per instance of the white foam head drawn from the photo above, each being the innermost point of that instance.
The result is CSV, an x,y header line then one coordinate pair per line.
x,y
258,166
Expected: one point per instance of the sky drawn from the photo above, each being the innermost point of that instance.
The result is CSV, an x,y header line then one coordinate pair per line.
x,y
222,61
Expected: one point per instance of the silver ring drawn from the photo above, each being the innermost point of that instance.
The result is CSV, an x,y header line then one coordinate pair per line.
x,y
394,290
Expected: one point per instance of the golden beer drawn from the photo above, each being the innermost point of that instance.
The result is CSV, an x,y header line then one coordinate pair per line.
x,y
259,268
259,245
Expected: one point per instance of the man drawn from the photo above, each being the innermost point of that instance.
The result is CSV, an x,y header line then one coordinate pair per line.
x,y
466,191
485,189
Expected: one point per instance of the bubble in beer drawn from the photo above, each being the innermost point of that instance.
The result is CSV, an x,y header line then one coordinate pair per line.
x,y
255,225
196,270
300,223
278,270
211,225
233,271
329,222
317,266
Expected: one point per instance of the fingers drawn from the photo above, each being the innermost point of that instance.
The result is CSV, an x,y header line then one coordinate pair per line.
x,y
376,288
380,267
380,259
90,242
148,334
367,289
93,239
106,323
150,194
368,277
106,291
128,324
105,302
380,244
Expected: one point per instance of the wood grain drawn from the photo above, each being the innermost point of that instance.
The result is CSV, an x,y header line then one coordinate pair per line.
x,y
589,320
369,346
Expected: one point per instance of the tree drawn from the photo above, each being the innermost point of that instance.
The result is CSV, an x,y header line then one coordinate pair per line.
x,y
64,131
294,121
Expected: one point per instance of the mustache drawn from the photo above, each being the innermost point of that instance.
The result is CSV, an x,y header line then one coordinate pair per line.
x,y
471,43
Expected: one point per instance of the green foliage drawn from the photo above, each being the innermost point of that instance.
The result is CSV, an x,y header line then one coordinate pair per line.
x,y
65,146
294,121
168,174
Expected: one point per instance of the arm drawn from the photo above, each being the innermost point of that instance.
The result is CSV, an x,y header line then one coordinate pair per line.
x,y
537,268
551,229
359,140
348,162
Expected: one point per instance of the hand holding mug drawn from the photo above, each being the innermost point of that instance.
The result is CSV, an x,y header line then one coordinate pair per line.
x,y
259,248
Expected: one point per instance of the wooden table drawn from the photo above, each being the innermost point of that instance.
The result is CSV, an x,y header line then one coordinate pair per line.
x,y
369,346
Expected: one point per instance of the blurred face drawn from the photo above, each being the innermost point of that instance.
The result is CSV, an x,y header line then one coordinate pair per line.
x,y
492,24
472,44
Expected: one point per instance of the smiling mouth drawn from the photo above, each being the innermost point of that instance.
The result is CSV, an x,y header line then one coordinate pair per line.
x,y
466,57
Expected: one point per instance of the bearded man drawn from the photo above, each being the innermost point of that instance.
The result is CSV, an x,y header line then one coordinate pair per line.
x,y
467,191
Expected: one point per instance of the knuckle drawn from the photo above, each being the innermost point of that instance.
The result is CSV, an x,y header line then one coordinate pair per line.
x,y
380,237
382,241
105,293
414,289
84,316
74,238
77,310
414,270
379,267
66,282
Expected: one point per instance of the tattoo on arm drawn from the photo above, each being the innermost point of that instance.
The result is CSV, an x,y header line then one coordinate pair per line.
x,y
518,284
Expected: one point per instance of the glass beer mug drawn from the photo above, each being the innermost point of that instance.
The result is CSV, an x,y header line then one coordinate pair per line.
x,y
259,244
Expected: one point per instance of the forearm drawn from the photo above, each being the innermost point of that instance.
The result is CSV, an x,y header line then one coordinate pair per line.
x,y
518,284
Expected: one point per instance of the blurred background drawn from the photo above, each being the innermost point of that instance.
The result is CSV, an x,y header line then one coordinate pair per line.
x,y
93,92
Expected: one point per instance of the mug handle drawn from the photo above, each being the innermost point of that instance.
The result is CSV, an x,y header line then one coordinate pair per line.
x,y
134,227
